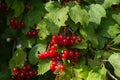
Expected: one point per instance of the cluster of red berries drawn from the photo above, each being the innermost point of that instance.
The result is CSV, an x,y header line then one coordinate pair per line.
x,y
3,7
66,1
25,73
61,40
71,55
14,23
57,66
55,56
33,33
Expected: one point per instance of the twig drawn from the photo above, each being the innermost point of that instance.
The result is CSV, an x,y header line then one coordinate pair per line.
x,y
114,49
112,76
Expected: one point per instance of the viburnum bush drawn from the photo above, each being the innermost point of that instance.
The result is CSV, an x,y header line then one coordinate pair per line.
x,y
60,39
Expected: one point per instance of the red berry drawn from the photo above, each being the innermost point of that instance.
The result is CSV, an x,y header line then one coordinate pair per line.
x,y
75,59
78,1
53,59
24,68
58,58
35,73
64,56
51,43
52,67
62,67
61,37
71,53
28,67
68,38
12,24
22,74
27,7
72,42
40,56
65,42
29,34
54,39
46,54
31,73
15,70
66,52
34,33
53,53
54,63
77,54
79,40
54,48
22,24
74,38
16,22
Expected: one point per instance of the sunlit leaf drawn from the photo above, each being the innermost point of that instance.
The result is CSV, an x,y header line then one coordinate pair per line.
x,y
96,12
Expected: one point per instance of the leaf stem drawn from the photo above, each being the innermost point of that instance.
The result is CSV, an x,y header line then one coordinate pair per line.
x,y
105,60
112,76
71,31
114,48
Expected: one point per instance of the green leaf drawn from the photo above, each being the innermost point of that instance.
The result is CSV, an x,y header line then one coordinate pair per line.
x,y
18,59
97,73
116,17
59,16
33,55
114,59
104,27
27,42
81,73
43,30
114,30
94,62
88,33
102,41
99,54
52,6
34,16
90,1
9,2
117,40
82,45
52,27
43,66
79,15
56,19
72,25
96,12
18,7
108,3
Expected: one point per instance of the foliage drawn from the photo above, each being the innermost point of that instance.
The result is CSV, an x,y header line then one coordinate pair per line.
x,y
96,22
